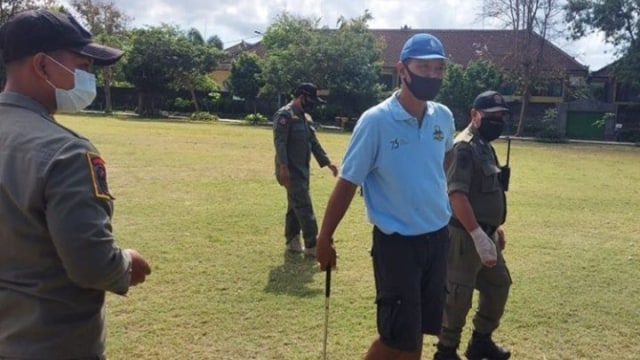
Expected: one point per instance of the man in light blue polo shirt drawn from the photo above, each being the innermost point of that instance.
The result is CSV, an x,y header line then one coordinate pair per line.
x,y
398,152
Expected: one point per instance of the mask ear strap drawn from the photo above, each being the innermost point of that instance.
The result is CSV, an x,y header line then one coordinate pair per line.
x,y
60,64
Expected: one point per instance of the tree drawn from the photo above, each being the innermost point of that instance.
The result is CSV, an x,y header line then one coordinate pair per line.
x,y
195,60
453,92
215,42
287,43
150,65
462,85
346,61
10,7
619,20
532,22
108,25
349,59
163,58
246,77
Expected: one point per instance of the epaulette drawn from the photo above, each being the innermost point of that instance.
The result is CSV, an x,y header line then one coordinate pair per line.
x,y
288,112
464,136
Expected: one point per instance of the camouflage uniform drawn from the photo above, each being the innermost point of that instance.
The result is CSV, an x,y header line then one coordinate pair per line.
x,y
295,140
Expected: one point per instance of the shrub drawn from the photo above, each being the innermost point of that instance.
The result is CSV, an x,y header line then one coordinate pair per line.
x,y
182,104
256,119
203,116
549,130
600,123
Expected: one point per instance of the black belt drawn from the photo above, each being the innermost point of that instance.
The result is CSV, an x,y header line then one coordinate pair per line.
x,y
489,229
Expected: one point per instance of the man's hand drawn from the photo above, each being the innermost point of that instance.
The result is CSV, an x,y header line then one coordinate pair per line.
x,y
283,176
325,253
334,169
485,247
139,268
500,239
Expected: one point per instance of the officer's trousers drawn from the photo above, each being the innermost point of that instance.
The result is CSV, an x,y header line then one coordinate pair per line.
x,y
300,214
465,273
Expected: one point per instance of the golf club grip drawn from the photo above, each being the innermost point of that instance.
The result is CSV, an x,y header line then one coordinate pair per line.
x,y
327,283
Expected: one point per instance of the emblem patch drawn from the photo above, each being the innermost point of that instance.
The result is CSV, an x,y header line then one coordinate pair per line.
x,y
437,133
282,120
98,176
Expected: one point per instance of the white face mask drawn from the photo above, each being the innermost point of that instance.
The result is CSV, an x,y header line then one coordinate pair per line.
x,y
80,96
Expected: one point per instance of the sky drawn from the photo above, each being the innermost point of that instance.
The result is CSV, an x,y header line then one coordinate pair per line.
x,y
236,20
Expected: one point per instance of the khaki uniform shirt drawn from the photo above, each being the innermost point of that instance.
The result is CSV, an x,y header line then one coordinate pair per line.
x,y
295,140
57,252
474,171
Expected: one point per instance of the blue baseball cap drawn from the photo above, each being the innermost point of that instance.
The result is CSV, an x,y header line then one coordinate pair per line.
x,y
422,46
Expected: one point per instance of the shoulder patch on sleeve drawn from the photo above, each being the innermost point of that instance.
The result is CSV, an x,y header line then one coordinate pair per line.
x,y
463,159
98,176
282,120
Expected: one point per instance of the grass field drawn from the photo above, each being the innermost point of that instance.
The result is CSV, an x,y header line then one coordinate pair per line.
x,y
201,203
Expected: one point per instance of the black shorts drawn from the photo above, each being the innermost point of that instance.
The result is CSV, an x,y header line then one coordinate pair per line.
x,y
410,274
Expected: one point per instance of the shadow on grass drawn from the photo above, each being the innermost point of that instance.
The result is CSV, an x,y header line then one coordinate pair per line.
x,y
293,277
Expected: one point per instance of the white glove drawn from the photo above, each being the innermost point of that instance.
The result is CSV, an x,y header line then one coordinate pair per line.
x,y
485,247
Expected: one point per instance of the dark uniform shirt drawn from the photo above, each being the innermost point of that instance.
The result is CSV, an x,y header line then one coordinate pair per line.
x,y
474,171
295,140
57,252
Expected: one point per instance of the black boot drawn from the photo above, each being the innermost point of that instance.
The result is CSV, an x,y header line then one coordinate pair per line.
x,y
482,347
446,353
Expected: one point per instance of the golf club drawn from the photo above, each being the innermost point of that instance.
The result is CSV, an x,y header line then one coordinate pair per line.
x,y
327,293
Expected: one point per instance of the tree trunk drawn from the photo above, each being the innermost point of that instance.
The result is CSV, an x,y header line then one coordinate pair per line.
x,y
193,98
146,104
523,108
140,107
106,75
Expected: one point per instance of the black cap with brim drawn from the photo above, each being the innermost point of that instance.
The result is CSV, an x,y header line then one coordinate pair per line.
x,y
490,101
310,90
496,109
33,31
101,55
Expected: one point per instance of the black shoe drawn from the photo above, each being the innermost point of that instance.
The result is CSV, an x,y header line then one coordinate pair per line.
x,y
446,353
482,347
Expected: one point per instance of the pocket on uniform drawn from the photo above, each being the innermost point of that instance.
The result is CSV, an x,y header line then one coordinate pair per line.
x,y
298,126
490,182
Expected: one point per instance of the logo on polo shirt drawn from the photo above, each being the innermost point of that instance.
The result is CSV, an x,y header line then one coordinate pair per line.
x,y
437,133
396,142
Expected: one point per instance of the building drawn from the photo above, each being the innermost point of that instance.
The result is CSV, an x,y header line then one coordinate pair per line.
x,y
556,72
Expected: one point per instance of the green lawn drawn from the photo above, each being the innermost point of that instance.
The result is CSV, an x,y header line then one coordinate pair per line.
x,y
201,203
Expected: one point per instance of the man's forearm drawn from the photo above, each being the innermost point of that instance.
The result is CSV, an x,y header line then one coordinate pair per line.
x,y
336,207
463,211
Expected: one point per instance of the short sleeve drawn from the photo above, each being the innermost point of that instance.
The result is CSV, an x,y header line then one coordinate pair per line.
x,y
361,153
460,171
78,213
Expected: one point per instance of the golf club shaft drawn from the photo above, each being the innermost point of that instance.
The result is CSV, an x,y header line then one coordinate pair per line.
x,y
327,294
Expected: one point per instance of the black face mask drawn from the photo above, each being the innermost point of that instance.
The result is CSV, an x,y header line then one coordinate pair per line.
x,y
491,128
307,106
422,87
